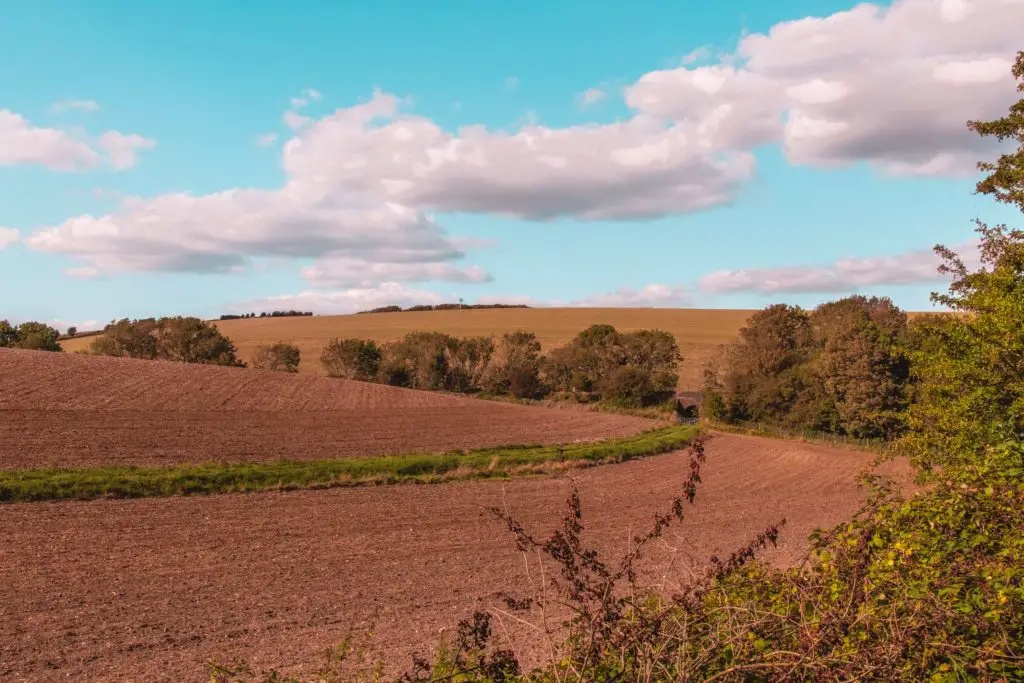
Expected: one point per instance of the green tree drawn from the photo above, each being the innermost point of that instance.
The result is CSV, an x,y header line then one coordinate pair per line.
x,y
8,334
278,357
193,340
356,359
862,365
72,331
127,338
1005,179
38,337
515,366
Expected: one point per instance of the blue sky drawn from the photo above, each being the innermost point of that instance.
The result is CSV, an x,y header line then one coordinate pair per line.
x,y
580,153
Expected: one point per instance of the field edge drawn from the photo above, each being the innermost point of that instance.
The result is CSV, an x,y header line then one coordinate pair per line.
x,y
54,484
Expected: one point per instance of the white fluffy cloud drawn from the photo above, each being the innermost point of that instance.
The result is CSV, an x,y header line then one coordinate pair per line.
x,y
844,275
222,232
891,86
8,236
56,149
639,168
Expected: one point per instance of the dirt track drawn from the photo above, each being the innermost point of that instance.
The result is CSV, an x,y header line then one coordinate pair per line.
x,y
150,589
67,410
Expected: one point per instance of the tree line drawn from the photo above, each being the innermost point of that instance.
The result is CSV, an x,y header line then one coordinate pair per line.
x,y
438,307
630,369
264,314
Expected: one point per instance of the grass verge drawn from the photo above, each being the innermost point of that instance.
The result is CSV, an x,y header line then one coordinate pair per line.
x,y
139,482
806,436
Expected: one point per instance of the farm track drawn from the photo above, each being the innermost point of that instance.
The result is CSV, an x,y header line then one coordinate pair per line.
x,y
151,589
65,410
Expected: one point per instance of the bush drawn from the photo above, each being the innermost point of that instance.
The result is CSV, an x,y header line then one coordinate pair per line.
x,y
278,357
33,336
515,366
180,339
632,369
356,359
840,369
629,386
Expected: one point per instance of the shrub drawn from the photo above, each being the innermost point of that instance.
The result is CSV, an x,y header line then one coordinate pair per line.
x,y
278,357
840,369
33,336
356,359
633,368
180,339
629,386
515,366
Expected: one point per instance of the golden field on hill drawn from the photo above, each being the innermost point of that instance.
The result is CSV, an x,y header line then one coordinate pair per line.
x,y
699,332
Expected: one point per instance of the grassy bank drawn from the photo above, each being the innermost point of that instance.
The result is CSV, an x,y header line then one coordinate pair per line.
x,y
805,435
140,482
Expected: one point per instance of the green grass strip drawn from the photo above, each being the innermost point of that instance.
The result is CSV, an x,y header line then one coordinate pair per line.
x,y
139,482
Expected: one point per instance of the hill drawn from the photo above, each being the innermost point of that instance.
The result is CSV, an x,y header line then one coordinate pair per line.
x,y
698,332
71,410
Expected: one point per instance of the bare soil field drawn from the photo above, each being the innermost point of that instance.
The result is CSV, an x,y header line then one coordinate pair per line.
x,y
698,332
68,410
151,589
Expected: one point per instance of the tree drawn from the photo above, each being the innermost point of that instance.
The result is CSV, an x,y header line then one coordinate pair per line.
x,y
8,334
184,340
1005,179
515,366
861,364
30,335
467,361
278,357
356,359
127,338
72,331
192,340
38,337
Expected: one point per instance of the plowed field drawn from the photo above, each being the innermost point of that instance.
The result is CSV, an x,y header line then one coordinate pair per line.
x,y
69,410
149,590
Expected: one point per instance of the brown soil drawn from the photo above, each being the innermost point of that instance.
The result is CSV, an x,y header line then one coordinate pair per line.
x,y
68,410
151,589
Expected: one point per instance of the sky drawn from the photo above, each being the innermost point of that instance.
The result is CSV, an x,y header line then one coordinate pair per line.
x,y
203,158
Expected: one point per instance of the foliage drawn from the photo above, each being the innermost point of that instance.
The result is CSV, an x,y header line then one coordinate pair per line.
x,y
633,369
272,314
30,336
515,366
504,461
180,339
356,359
72,331
1005,179
193,340
279,357
840,369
